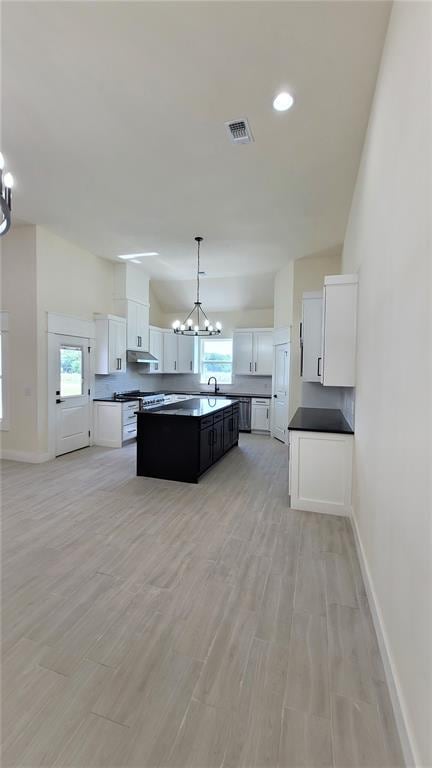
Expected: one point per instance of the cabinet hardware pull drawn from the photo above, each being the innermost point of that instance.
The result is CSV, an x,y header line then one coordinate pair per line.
x,y
250,366
318,366
191,364
175,365
301,331
267,413
301,359
255,367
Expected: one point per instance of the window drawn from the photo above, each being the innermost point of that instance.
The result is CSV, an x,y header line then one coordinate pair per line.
x,y
71,371
3,370
216,360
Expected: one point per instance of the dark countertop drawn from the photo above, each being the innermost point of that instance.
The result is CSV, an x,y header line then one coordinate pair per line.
x,y
320,420
111,400
197,407
197,394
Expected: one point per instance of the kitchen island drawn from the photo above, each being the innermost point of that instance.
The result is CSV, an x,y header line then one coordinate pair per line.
x,y
182,440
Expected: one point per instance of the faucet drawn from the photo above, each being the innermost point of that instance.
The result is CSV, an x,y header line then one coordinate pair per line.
x,y
215,381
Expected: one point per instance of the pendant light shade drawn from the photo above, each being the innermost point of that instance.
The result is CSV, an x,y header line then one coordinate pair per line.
x,y
197,322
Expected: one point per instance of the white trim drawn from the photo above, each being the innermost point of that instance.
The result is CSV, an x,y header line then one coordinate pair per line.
x,y
406,735
30,457
5,367
66,325
4,320
341,279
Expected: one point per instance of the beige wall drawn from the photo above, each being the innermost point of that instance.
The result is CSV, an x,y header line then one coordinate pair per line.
x,y
18,298
283,296
309,274
389,241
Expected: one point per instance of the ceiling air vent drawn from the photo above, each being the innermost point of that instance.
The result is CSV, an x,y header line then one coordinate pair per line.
x,y
239,131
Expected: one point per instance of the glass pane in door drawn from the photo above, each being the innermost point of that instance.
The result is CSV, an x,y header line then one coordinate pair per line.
x,y
71,371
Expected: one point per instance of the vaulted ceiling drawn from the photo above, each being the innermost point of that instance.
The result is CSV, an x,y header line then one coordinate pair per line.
x,y
113,124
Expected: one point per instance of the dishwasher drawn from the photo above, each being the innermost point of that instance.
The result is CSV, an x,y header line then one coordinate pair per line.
x,y
244,412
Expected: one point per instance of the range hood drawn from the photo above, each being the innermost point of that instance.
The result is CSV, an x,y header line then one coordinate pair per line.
x,y
140,357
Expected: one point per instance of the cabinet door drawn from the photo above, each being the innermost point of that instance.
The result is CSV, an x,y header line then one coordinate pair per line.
x,y
339,331
117,346
142,315
243,353
218,439
260,416
156,349
263,353
186,345
235,428
170,352
311,338
228,430
132,325
107,424
206,448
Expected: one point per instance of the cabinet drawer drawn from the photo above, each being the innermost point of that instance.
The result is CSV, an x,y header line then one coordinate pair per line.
x,y
129,419
129,432
207,421
260,401
130,407
219,416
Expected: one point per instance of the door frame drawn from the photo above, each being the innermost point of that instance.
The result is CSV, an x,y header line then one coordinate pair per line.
x,y
65,325
282,335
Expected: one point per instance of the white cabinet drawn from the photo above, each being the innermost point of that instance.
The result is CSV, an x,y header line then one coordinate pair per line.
x,y
320,471
156,337
137,321
180,353
186,354
110,344
170,352
260,414
339,330
253,352
311,336
114,423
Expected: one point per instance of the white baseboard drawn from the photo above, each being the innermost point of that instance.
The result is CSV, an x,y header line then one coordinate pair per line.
x,y
402,721
30,457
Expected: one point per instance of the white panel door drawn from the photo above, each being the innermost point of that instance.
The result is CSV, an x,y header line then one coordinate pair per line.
x,y
263,353
311,337
72,394
279,422
243,353
170,352
186,346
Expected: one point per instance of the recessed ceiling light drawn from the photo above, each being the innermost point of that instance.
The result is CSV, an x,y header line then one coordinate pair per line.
x,y
283,101
135,261
137,255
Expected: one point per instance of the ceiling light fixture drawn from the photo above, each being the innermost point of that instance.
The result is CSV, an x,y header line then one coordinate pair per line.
x,y
137,255
200,324
6,184
135,261
283,101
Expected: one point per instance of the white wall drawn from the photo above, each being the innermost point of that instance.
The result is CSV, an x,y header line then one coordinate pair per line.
x,y
388,240
283,296
18,298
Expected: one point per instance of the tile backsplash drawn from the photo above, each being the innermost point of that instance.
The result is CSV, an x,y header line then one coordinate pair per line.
x,y
314,395
133,379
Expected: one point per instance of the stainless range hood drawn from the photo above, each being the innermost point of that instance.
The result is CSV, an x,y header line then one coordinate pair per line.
x,y
140,357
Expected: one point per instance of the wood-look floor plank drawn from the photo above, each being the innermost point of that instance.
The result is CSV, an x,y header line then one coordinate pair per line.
x,y
305,741
358,738
310,586
349,661
307,688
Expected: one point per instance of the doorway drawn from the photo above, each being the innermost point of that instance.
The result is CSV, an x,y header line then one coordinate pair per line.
x,y
72,393
279,428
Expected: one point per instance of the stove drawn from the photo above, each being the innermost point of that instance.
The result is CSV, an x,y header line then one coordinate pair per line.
x,y
146,399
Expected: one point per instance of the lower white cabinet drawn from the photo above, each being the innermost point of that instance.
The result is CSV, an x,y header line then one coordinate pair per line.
x,y
114,423
260,421
320,471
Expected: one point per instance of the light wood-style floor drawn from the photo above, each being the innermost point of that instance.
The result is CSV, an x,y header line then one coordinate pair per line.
x,y
151,623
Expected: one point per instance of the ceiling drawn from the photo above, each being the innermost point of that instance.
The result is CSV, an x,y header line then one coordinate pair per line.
x,y
113,125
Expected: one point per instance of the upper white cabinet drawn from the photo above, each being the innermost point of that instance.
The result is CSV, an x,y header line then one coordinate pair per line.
x,y
180,353
110,344
339,329
253,352
311,336
156,337
170,352
137,320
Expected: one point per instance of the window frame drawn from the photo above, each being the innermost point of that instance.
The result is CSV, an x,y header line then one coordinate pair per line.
x,y
215,340
4,388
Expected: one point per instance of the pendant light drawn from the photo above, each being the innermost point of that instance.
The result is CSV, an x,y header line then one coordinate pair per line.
x,y
197,322
6,184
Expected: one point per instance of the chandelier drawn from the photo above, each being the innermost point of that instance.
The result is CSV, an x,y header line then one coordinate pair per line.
x,y
6,184
197,322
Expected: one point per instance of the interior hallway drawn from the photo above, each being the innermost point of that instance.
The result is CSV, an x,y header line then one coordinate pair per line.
x,y
151,623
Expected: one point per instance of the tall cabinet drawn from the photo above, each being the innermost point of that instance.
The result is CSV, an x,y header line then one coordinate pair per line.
x,y
110,354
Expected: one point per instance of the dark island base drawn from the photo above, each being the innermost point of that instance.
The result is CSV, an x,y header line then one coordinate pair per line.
x,y
172,446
